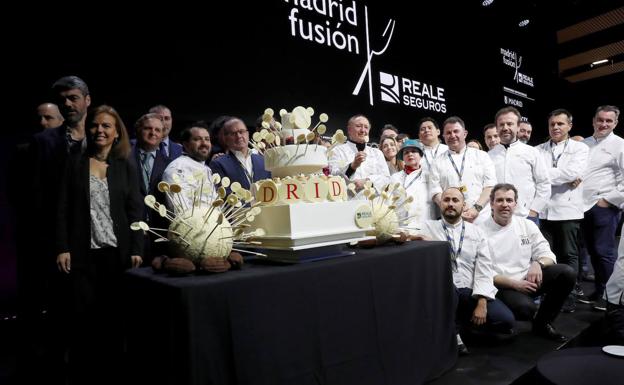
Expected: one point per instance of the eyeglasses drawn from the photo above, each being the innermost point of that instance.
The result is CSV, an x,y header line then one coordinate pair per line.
x,y
236,133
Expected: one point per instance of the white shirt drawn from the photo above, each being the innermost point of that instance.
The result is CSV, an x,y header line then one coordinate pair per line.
x,y
474,265
615,284
565,161
604,176
374,167
188,173
245,161
478,173
418,185
433,153
515,246
522,166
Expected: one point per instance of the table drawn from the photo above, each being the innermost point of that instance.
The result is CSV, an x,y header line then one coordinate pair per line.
x,y
587,365
382,316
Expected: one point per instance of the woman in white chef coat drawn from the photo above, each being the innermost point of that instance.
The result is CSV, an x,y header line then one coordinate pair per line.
x,y
415,179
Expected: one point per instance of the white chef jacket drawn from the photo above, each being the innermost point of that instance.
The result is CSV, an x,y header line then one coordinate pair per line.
x,y
187,172
474,265
432,154
565,161
615,284
478,173
604,176
373,168
418,185
515,246
522,166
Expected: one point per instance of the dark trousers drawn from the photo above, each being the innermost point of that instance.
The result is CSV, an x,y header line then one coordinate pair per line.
x,y
563,239
95,353
615,321
557,283
599,226
499,318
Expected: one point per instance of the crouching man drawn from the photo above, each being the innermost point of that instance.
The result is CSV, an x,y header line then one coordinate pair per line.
x,y
524,265
478,309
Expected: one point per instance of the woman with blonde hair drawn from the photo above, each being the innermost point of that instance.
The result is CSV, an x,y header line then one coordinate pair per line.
x,y
98,201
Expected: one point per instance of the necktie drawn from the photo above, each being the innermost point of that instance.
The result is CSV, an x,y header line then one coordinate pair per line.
x,y
146,166
164,149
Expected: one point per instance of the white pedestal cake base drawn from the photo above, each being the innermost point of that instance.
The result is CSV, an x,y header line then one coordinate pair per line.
x,y
292,231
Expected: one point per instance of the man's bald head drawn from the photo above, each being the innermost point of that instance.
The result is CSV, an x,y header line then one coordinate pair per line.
x,y
49,115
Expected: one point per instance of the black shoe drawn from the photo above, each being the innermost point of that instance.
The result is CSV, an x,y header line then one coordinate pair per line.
x,y
593,297
600,304
569,306
548,331
578,290
461,347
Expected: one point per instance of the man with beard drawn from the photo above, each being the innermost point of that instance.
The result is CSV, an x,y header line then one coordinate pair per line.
x,y
189,169
40,285
524,265
524,131
477,309
521,165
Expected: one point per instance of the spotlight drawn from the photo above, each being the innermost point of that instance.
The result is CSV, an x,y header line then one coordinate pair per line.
x,y
524,23
485,3
598,62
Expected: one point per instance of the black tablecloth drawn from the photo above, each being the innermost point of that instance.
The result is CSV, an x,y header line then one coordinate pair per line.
x,y
581,366
382,316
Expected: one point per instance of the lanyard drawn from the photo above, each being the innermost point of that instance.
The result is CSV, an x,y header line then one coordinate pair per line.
x,y
454,253
413,180
435,154
459,173
247,173
552,153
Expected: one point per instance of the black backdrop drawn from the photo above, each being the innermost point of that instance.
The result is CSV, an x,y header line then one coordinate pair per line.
x,y
238,58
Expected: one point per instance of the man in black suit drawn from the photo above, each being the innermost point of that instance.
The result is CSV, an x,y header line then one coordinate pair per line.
x,y
169,148
47,153
150,164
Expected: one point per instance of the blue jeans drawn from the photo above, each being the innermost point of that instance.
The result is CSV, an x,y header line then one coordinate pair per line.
x,y
599,226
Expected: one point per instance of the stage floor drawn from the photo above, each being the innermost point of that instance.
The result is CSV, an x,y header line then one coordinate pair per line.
x,y
512,362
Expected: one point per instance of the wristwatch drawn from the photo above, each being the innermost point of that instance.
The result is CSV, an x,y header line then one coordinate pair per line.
x,y
542,264
477,207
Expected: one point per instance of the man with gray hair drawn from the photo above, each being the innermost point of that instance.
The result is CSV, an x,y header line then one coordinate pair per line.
x,y
603,194
40,285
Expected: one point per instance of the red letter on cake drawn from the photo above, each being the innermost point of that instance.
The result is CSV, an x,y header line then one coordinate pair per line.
x,y
291,189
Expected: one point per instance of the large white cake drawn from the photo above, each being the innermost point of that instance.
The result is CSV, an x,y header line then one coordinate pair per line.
x,y
301,207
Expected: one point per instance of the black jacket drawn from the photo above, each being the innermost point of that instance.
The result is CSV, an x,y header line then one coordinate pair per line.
x,y
74,219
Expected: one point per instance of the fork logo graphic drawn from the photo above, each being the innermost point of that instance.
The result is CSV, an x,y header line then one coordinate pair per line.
x,y
367,71
389,88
